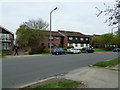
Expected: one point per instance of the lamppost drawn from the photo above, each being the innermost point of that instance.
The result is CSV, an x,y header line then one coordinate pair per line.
x,y
51,26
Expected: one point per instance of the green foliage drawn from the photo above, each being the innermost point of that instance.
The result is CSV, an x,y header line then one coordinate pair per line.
x,y
64,49
108,63
7,52
70,47
59,84
2,56
106,39
41,49
98,49
27,37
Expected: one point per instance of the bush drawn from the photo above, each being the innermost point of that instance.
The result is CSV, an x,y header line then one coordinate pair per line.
x,y
46,50
108,49
64,49
7,52
39,50
70,47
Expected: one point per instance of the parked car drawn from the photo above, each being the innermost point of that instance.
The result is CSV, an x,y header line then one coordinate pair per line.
x,y
116,50
58,51
73,50
87,50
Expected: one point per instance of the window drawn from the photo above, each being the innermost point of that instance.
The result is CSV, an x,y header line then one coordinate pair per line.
x,y
81,39
76,38
4,37
5,46
57,38
51,44
51,38
57,44
86,39
70,38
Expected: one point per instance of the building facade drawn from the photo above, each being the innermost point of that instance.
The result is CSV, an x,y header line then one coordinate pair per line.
x,y
76,39
6,39
64,39
56,40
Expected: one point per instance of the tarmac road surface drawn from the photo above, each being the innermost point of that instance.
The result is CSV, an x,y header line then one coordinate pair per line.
x,y
17,71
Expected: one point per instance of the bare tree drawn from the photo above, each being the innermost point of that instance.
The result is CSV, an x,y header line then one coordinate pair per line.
x,y
36,24
112,13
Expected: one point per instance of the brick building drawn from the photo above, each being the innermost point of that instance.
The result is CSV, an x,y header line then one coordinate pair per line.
x,y
56,39
64,39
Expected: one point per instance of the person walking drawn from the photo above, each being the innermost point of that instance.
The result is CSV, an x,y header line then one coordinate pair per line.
x,y
16,51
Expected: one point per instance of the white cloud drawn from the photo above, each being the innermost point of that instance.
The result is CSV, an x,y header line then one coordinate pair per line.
x,y
76,16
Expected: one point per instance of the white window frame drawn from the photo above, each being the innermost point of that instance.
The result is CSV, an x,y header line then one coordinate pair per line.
x,y
70,38
81,39
57,38
86,39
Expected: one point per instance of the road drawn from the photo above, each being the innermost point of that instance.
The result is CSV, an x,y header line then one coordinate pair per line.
x,y
18,71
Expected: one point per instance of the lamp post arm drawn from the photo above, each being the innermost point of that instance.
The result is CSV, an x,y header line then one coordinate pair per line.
x,y
51,27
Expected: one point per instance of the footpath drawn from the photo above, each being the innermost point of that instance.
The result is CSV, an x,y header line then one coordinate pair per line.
x,y
96,77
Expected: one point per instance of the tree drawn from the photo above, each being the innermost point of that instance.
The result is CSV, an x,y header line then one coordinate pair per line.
x,y
104,40
31,34
36,24
29,37
113,17
112,13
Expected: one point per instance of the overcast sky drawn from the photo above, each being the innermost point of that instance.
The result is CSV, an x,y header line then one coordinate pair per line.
x,y
72,16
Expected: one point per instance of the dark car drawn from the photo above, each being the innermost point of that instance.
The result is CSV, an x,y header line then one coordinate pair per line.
x,y
58,51
116,50
87,50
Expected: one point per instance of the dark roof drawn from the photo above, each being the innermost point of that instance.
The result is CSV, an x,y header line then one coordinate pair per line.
x,y
72,33
53,33
96,35
5,31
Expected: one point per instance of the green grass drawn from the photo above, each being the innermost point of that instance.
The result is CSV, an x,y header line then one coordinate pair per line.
x,y
7,52
1,56
98,49
110,63
42,54
58,84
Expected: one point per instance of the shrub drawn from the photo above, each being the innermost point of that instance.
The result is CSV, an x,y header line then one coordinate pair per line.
x,y
46,50
7,52
39,50
70,47
64,49
108,49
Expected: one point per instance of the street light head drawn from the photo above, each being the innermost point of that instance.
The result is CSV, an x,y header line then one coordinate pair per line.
x,y
55,8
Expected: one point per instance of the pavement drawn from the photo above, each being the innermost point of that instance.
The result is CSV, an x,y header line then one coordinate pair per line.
x,y
96,77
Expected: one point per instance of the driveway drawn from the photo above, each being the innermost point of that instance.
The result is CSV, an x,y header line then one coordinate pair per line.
x,y
17,71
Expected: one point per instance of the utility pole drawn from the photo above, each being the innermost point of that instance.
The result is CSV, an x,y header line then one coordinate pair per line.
x,y
51,27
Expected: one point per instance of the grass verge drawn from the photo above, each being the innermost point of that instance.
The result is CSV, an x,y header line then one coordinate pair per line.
x,y
99,50
110,63
1,56
57,83
43,54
